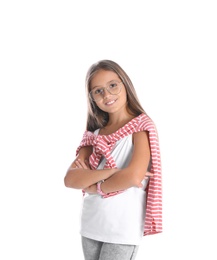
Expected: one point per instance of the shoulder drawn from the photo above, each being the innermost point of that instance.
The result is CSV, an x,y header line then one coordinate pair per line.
x,y
145,123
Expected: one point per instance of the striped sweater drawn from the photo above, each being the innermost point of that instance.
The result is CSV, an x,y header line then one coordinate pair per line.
x,y
103,145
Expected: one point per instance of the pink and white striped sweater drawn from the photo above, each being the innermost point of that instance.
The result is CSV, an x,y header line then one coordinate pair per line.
x,y
103,145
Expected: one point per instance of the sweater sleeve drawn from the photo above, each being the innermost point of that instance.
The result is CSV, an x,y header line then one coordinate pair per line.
x,y
153,219
87,140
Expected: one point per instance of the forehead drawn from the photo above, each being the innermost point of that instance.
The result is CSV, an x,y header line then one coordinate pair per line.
x,y
102,77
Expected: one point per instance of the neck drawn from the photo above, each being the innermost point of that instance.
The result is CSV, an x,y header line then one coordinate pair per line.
x,y
116,121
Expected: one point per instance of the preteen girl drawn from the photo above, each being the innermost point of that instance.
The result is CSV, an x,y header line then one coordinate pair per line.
x,y
117,167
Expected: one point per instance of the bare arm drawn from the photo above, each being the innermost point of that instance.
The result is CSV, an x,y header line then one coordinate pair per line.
x,y
83,155
136,171
81,177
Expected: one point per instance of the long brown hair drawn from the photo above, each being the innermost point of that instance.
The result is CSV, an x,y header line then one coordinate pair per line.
x,y
96,118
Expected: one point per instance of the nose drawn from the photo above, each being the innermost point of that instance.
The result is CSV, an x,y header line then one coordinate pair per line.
x,y
106,93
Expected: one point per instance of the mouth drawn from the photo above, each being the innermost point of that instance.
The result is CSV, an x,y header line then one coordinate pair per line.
x,y
111,102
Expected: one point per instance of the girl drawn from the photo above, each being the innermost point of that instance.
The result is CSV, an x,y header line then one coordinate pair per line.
x,y
117,167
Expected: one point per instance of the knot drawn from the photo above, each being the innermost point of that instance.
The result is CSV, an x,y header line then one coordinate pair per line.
x,y
102,146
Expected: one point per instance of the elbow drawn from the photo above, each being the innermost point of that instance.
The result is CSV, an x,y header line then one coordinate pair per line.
x,y
70,182
67,183
134,177
137,180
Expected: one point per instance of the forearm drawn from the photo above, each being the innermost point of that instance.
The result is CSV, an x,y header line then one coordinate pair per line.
x,y
121,180
85,152
135,172
83,178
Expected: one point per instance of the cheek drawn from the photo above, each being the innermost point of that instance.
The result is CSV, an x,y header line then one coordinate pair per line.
x,y
124,95
99,104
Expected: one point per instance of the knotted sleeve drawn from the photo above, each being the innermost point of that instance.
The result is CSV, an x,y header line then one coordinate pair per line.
x,y
100,148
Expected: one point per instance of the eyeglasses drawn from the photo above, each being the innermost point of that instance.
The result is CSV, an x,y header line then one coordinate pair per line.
x,y
113,87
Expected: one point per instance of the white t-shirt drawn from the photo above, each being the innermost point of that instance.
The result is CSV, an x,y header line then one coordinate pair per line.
x,y
120,218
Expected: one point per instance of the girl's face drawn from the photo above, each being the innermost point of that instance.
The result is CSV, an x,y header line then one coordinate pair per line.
x,y
109,91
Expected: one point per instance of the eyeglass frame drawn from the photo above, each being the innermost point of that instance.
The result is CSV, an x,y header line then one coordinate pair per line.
x,y
107,88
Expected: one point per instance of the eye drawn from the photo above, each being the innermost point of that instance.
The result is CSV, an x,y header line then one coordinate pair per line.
x,y
98,91
113,85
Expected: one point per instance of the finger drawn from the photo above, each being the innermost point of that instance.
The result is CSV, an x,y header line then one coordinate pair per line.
x,y
73,166
78,164
149,174
81,164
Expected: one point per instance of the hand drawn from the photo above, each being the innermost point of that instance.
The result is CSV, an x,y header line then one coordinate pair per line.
x,y
148,174
82,164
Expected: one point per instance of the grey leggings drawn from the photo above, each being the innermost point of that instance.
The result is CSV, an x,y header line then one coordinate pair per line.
x,y
96,250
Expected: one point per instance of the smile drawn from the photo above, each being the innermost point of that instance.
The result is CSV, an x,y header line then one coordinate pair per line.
x,y
110,102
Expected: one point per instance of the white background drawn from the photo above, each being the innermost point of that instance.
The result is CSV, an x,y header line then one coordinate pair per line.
x,y
168,48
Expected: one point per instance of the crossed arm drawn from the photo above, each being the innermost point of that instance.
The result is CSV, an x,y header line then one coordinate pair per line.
x,y
80,176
